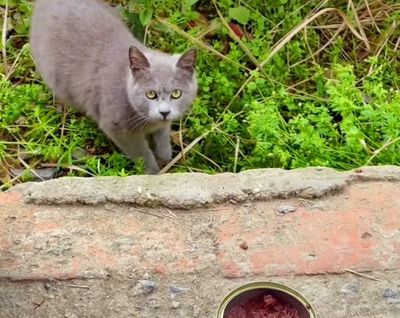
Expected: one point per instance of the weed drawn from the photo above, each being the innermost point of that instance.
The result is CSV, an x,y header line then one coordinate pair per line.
x,y
283,84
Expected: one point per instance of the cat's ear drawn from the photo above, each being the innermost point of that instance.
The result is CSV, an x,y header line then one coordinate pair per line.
x,y
137,60
187,61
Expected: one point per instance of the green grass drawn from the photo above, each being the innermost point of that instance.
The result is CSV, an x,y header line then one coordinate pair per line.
x,y
298,84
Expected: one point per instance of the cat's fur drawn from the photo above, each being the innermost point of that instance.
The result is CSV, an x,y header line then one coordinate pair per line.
x,y
90,60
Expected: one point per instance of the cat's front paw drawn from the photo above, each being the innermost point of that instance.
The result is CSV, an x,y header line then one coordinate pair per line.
x,y
151,165
153,169
164,153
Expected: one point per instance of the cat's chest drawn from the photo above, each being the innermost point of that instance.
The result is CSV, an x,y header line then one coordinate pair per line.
x,y
156,126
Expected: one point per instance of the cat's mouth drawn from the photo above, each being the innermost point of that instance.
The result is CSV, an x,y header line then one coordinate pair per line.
x,y
163,116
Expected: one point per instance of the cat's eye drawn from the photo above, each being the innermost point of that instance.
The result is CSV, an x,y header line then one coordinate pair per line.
x,y
151,94
177,93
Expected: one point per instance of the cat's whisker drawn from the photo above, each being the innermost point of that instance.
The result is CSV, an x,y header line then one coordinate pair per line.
x,y
140,124
145,123
134,118
134,126
133,122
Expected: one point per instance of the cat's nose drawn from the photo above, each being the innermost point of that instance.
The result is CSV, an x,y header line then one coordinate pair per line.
x,y
165,114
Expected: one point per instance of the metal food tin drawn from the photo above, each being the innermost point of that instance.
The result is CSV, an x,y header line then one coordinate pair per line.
x,y
284,293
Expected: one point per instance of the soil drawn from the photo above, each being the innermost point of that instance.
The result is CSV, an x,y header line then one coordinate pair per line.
x,y
199,296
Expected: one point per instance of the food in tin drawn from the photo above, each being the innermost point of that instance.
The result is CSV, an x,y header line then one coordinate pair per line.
x,y
262,306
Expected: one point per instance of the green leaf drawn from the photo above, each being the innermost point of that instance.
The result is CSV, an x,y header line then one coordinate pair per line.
x,y
240,14
145,16
187,4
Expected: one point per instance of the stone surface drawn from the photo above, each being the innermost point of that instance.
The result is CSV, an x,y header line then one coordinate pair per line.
x,y
186,191
175,304
144,286
286,208
351,288
392,293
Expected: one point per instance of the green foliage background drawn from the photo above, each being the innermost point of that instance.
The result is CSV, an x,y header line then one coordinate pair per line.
x,y
327,93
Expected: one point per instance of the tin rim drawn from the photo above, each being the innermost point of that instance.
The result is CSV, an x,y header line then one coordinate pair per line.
x,y
266,285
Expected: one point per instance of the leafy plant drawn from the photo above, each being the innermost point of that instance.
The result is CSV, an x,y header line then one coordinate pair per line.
x,y
240,14
281,84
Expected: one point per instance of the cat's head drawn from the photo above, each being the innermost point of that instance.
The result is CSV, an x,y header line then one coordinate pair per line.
x,y
162,87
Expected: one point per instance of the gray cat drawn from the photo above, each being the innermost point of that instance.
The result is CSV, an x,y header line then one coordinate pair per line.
x,y
90,60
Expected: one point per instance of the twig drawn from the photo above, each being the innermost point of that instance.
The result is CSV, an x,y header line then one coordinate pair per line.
x,y
14,65
10,182
307,43
200,43
70,167
208,159
397,44
334,36
146,33
287,17
206,210
172,213
237,148
371,15
287,38
361,275
29,168
37,305
78,286
4,38
389,33
191,145
184,152
360,27
64,121
378,151
202,35
237,39
230,139
161,216
181,137
306,202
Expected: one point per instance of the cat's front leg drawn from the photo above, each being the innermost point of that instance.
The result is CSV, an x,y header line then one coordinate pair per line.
x,y
162,143
135,146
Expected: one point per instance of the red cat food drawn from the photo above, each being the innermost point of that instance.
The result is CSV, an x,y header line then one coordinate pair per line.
x,y
263,306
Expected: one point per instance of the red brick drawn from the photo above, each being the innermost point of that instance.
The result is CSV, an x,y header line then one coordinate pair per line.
x,y
360,233
319,241
7,198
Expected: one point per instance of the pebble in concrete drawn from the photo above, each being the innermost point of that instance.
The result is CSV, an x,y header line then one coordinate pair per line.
x,y
176,290
175,304
286,208
351,288
144,286
391,293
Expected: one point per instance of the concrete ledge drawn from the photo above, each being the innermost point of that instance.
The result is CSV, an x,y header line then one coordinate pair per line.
x,y
186,191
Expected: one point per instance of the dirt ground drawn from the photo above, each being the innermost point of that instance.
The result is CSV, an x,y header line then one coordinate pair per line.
x,y
334,296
